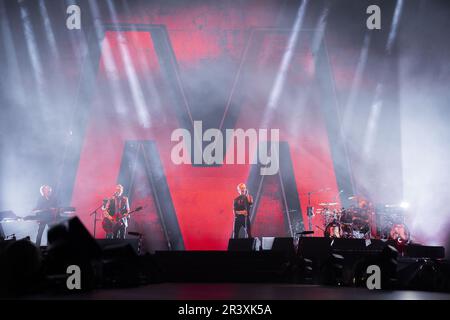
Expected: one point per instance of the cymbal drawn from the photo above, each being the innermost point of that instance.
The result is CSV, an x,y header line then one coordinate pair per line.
x,y
357,197
328,204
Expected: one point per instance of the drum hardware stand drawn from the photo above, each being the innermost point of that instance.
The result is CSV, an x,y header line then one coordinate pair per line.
x,y
309,212
320,228
94,213
310,209
304,233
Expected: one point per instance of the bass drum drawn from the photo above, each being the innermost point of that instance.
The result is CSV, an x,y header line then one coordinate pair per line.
x,y
347,230
333,230
399,233
358,234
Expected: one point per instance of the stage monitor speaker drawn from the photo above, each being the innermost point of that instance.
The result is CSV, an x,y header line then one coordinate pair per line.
x,y
80,236
267,243
284,245
109,244
419,251
348,245
248,244
314,247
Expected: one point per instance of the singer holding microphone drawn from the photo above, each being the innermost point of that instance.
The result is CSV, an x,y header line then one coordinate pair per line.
x,y
115,210
241,209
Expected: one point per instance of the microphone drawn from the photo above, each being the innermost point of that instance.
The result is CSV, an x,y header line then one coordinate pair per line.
x,y
305,232
133,233
105,202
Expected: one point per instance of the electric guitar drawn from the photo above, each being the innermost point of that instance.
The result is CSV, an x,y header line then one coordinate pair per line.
x,y
112,223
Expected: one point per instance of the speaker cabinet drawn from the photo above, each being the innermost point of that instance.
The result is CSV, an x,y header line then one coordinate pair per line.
x,y
110,244
314,247
248,244
284,245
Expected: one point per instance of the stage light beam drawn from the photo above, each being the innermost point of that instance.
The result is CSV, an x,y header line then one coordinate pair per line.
x,y
394,25
13,73
285,63
372,125
356,83
133,80
404,205
33,52
48,29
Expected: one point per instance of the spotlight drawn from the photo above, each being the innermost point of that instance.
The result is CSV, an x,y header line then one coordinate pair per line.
x,y
404,205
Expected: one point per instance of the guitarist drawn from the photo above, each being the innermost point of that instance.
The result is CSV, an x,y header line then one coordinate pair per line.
x,y
114,210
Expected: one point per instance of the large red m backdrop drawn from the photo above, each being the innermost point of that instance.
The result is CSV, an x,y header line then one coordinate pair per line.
x,y
219,68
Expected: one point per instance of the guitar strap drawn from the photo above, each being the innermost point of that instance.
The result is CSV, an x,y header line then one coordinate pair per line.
x,y
116,205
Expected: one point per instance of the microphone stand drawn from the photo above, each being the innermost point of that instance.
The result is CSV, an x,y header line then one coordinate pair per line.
x,y
95,217
310,209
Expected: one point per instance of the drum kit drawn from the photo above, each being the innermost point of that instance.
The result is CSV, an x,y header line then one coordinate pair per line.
x,y
356,222
353,223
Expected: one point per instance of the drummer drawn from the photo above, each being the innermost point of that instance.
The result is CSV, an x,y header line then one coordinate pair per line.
x,y
46,209
346,216
361,216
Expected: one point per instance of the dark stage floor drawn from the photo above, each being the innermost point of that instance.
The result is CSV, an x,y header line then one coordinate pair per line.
x,y
235,291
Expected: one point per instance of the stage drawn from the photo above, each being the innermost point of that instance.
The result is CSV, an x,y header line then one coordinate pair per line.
x,y
292,149
243,291
316,261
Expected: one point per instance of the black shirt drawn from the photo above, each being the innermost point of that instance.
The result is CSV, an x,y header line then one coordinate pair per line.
x,y
241,203
44,205
118,205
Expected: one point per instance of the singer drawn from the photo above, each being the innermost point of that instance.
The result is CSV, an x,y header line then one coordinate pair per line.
x,y
115,210
241,209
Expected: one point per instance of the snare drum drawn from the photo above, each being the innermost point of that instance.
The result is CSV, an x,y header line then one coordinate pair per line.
x,y
333,230
347,230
